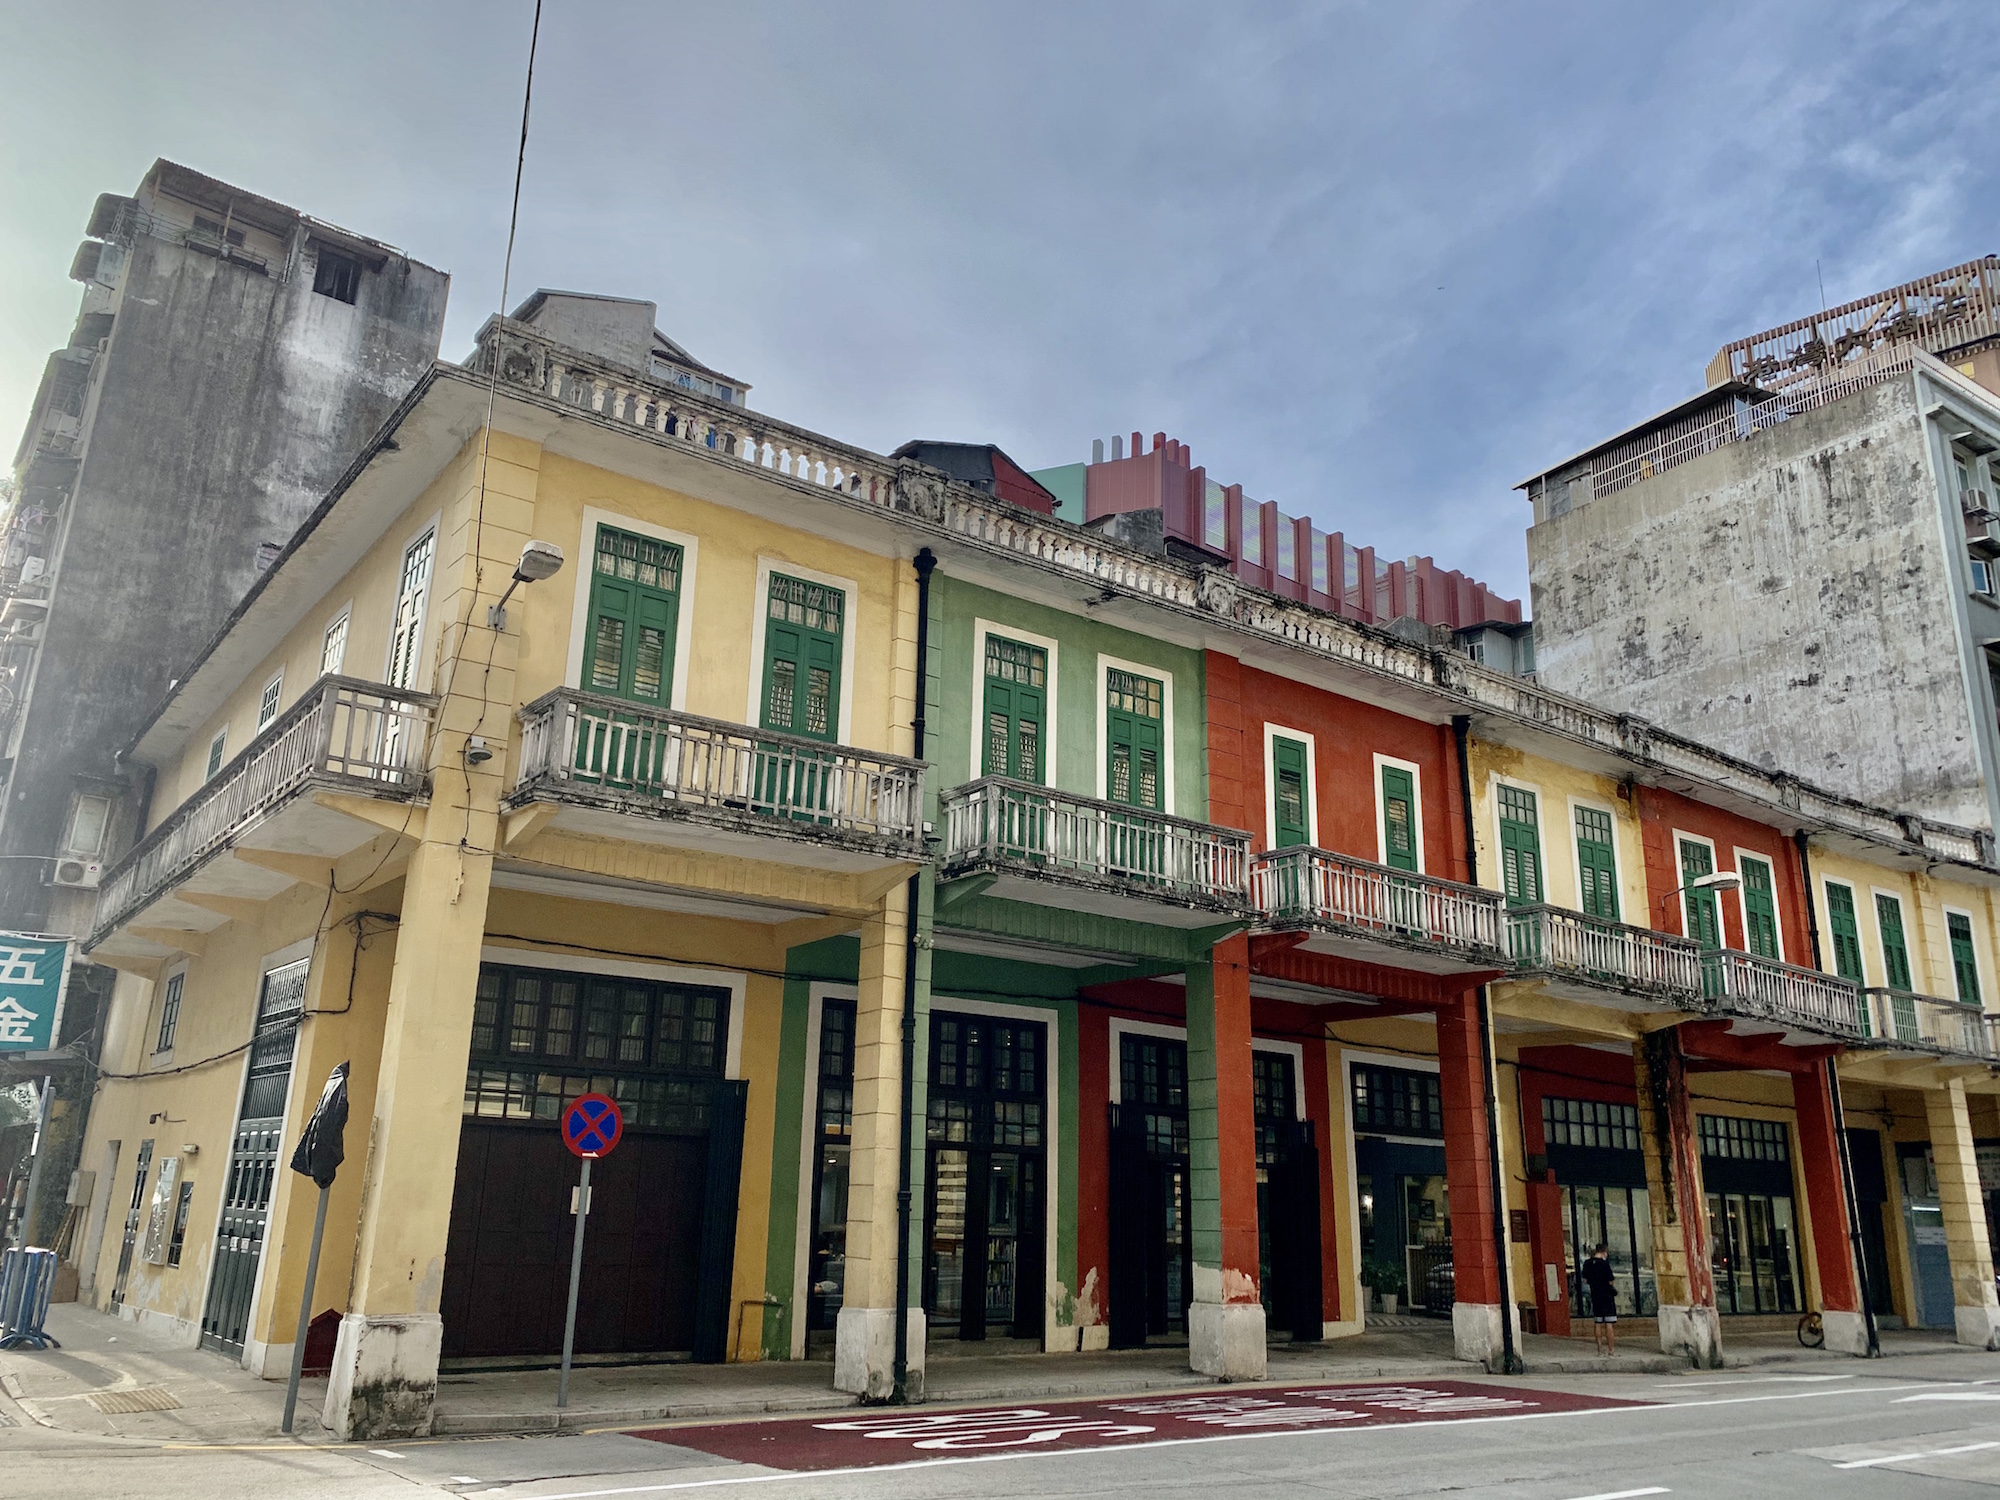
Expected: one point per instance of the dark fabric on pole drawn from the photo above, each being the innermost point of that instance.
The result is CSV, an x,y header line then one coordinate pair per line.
x,y
321,1148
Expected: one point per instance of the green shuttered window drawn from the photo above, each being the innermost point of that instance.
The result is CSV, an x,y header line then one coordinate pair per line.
x,y
1703,919
1760,907
635,588
1135,738
1399,819
1520,846
1017,705
1846,931
1964,964
1596,864
1895,949
802,658
1289,792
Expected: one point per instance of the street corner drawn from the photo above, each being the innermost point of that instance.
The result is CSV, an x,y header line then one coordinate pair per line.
x,y
913,1436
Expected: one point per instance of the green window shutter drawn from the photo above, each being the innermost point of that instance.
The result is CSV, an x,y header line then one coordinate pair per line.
x,y
1704,922
802,658
1134,738
1399,819
1520,846
1289,792
1964,965
1846,931
635,584
1760,908
1017,695
1895,950
1596,864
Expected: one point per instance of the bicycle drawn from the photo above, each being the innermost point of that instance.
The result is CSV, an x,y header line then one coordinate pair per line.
x,y
1812,1331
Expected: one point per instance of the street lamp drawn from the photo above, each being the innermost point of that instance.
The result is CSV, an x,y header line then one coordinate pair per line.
x,y
539,560
1721,880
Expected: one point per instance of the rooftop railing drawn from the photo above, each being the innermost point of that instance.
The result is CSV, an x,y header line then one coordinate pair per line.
x,y
1745,984
1318,888
1608,955
588,744
342,730
996,821
1891,1015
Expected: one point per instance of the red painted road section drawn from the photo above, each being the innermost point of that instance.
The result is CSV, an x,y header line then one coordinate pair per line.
x,y
876,1436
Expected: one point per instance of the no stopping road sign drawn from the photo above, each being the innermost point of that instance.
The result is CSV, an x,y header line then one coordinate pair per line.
x,y
592,1125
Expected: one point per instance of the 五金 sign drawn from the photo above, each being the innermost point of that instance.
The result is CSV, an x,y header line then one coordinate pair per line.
x,y
32,971
592,1125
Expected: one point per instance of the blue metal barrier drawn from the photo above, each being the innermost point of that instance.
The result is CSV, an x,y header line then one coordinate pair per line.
x,y
27,1277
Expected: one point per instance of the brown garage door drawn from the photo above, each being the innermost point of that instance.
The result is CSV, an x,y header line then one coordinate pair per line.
x,y
507,1265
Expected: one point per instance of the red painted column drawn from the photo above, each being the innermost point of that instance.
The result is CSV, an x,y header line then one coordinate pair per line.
x,y
1093,1177
1689,1325
1826,1201
1468,1154
1226,1320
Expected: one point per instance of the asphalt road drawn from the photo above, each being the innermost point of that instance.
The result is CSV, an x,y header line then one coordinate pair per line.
x,y
1927,1426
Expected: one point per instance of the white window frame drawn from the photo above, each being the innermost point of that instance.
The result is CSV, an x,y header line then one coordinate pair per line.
x,y
1493,784
1826,883
420,676
76,801
579,615
1739,854
273,693
760,604
1416,794
1272,734
981,629
1169,689
218,755
156,1054
817,994
1681,880
344,621
1618,864
1903,901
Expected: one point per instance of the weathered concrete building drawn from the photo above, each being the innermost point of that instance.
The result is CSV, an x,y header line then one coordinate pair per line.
x,y
1797,565
230,358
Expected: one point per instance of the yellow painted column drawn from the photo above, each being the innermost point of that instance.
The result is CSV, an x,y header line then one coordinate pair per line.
x,y
1689,1324
384,1378
1975,1306
864,1342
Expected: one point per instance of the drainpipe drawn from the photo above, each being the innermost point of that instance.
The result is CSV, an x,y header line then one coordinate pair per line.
x,y
1802,844
1510,1359
900,1369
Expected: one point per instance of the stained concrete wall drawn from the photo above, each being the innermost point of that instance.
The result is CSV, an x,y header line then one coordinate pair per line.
x,y
1789,599
227,404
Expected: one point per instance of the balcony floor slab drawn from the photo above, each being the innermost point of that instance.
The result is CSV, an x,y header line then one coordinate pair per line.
x,y
742,835
1398,953
1133,903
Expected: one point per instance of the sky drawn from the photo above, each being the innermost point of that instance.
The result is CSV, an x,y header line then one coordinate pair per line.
x,y
1377,263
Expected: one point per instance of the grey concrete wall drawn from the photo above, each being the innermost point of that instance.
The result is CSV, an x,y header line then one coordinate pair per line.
x,y
228,404
1787,599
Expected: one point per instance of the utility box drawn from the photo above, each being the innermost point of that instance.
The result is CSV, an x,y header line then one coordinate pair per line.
x,y
81,1185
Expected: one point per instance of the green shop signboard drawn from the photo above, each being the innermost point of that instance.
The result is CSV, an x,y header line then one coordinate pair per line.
x,y
32,971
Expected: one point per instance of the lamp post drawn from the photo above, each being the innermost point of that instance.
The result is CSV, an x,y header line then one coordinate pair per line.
x,y
1720,880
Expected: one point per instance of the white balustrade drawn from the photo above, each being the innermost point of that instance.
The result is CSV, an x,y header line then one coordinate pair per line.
x,y
1319,888
1549,939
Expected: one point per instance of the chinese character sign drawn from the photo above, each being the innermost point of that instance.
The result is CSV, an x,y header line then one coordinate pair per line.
x,y
32,971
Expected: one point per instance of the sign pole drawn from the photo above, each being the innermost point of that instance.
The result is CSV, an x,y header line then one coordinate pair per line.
x,y
575,1279
305,1311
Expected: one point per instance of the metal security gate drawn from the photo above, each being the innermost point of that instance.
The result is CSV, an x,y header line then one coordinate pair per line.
x,y
132,1216
253,1160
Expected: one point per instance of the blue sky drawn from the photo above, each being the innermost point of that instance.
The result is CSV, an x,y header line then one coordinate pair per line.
x,y
1375,263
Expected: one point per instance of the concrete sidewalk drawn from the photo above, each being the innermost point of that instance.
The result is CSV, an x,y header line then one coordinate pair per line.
x,y
112,1379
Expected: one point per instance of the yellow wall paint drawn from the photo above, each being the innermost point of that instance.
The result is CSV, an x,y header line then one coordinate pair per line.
x,y
1559,790
1924,898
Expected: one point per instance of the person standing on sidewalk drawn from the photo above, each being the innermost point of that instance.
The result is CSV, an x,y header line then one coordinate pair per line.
x,y
1603,1284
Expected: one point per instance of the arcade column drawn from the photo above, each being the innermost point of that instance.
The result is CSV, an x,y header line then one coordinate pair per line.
x,y
1826,1198
1975,1308
1689,1324
1471,1160
1226,1319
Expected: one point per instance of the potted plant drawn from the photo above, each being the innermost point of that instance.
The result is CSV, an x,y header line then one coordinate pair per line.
x,y
1385,1279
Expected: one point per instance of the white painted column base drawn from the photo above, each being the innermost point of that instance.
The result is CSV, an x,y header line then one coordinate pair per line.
x,y
384,1378
1694,1333
1846,1333
1475,1333
864,1353
1226,1340
1979,1327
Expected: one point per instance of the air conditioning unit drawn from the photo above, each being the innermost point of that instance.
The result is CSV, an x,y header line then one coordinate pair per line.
x,y
79,874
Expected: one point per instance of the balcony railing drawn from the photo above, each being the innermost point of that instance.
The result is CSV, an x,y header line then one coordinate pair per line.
x,y
1607,955
634,755
1744,984
1319,888
343,731
998,821
1904,1016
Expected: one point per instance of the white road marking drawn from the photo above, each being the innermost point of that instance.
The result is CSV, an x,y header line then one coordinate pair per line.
x,y
463,1479
801,1475
1658,1489
1692,1385
1954,1396
1903,1458
385,1453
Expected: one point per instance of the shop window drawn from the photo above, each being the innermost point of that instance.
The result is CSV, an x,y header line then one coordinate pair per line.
x,y
1398,1101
